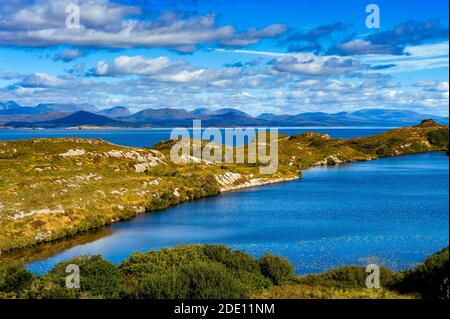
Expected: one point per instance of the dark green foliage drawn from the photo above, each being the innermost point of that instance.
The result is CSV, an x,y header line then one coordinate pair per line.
x,y
348,277
208,272
419,148
430,278
277,269
438,137
198,280
99,278
386,149
242,265
167,285
213,281
164,201
154,261
14,278
196,271
317,143
46,287
201,186
232,259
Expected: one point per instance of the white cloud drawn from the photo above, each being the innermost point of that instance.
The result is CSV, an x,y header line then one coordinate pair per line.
x,y
310,64
101,68
442,87
105,24
129,65
254,52
361,47
417,58
68,55
309,95
162,69
253,36
433,86
40,79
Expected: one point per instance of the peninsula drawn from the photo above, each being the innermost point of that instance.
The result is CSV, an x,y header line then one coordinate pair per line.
x,y
55,188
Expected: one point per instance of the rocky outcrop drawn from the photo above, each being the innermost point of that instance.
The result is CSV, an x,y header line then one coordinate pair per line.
x,y
227,179
332,159
75,152
21,215
230,181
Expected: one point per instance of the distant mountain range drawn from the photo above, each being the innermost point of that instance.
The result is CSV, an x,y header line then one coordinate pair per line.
x,y
80,118
115,112
72,115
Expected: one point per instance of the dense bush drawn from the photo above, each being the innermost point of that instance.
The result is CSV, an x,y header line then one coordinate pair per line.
x,y
99,278
212,271
196,271
168,285
200,280
438,137
46,288
213,280
348,277
430,278
14,278
242,265
277,269
158,261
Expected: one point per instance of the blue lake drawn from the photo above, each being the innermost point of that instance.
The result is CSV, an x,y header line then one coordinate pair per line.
x,y
392,212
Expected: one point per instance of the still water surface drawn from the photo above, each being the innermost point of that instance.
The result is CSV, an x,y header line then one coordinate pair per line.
x,y
391,211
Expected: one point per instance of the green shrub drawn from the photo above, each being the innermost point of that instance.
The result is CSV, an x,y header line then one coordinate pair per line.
x,y
46,288
237,264
438,137
430,278
199,280
99,278
277,269
232,259
14,278
169,285
349,277
243,266
210,272
213,281
160,261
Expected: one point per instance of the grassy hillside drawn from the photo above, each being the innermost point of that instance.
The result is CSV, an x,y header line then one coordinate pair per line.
x,y
54,188
215,271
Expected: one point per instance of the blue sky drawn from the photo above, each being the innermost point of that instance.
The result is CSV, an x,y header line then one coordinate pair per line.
x,y
281,56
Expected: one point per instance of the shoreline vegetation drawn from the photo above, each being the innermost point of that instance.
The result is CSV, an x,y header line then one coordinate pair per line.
x,y
57,188
217,272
